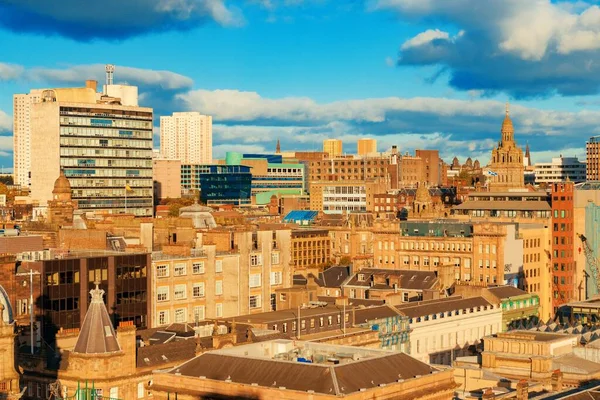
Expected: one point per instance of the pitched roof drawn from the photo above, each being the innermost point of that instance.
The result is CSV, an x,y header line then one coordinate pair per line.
x,y
409,279
326,379
97,334
155,355
429,307
333,277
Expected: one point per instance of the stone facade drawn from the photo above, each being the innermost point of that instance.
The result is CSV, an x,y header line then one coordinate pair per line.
x,y
507,161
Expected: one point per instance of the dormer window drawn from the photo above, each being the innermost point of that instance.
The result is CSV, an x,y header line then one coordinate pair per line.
x,y
361,277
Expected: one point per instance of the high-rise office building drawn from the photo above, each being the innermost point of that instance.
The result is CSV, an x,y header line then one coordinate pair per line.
x,y
593,159
333,147
22,104
366,147
186,136
103,142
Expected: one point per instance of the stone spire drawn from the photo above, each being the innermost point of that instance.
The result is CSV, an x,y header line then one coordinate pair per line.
x,y
507,130
278,147
97,335
528,155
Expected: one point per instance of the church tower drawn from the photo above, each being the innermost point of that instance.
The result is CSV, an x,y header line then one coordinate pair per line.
x,y
506,166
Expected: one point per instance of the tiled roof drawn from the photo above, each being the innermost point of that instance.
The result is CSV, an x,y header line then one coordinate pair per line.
x,y
97,335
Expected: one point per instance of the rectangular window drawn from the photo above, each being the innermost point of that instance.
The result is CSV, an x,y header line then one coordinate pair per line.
x,y
198,267
219,309
218,265
198,313
275,258
276,278
162,271
198,289
140,390
162,294
255,280
180,315
255,260
163,317
180,292
219,287
180,270
255,301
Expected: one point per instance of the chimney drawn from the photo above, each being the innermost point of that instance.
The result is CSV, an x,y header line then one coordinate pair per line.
x,y
91,84
522,390
557,380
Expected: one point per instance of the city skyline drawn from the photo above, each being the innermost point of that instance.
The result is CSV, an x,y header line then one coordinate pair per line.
x,y
429,75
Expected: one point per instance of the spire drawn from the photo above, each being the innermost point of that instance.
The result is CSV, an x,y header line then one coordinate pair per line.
x,y
97,335
507,127
278,147
527,155
507,108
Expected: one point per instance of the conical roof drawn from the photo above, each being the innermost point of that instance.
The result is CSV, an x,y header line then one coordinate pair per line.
x,y
97,335
507,125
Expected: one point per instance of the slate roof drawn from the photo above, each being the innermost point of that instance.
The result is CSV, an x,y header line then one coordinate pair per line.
x,y
429,307
410,280
333,277
505,292
97,335
321,378
158,354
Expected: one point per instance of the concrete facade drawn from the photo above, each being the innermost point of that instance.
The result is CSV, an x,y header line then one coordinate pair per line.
x,y
167,179
186,136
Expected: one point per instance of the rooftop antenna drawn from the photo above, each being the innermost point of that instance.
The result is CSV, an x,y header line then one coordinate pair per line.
x,y
110,70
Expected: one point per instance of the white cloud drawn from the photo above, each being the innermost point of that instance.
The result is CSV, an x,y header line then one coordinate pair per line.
x,y
139,76
5,122
10,71
425,37
6,143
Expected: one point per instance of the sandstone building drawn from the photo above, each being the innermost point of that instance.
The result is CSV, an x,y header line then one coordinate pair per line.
x,y
506,166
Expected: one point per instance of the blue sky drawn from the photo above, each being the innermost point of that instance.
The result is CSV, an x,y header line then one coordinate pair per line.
x,y
415,73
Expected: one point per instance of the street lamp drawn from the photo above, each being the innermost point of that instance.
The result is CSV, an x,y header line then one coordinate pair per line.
x,y
30,273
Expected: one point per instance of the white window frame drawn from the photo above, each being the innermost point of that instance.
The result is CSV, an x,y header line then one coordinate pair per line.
x,y
160,268
255,280
198,287
180,269
276,278
162,293
198,268
255,260
218,287
257,301
219,310
218,265
199,313
182,289
275,258
165,317
182,314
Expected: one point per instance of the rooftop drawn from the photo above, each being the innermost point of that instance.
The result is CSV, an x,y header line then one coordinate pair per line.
x,y
305,366
429,307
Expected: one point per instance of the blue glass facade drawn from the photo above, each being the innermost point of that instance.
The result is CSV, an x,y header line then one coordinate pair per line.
x,y
225,184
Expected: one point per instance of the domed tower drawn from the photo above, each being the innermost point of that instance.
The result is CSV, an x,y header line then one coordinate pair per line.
x,y
61,207
506,166
62,188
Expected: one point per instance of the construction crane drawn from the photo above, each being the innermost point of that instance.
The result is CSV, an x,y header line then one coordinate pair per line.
x,y
591,260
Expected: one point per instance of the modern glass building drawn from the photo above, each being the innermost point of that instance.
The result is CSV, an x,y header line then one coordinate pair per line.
x,y
224,184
